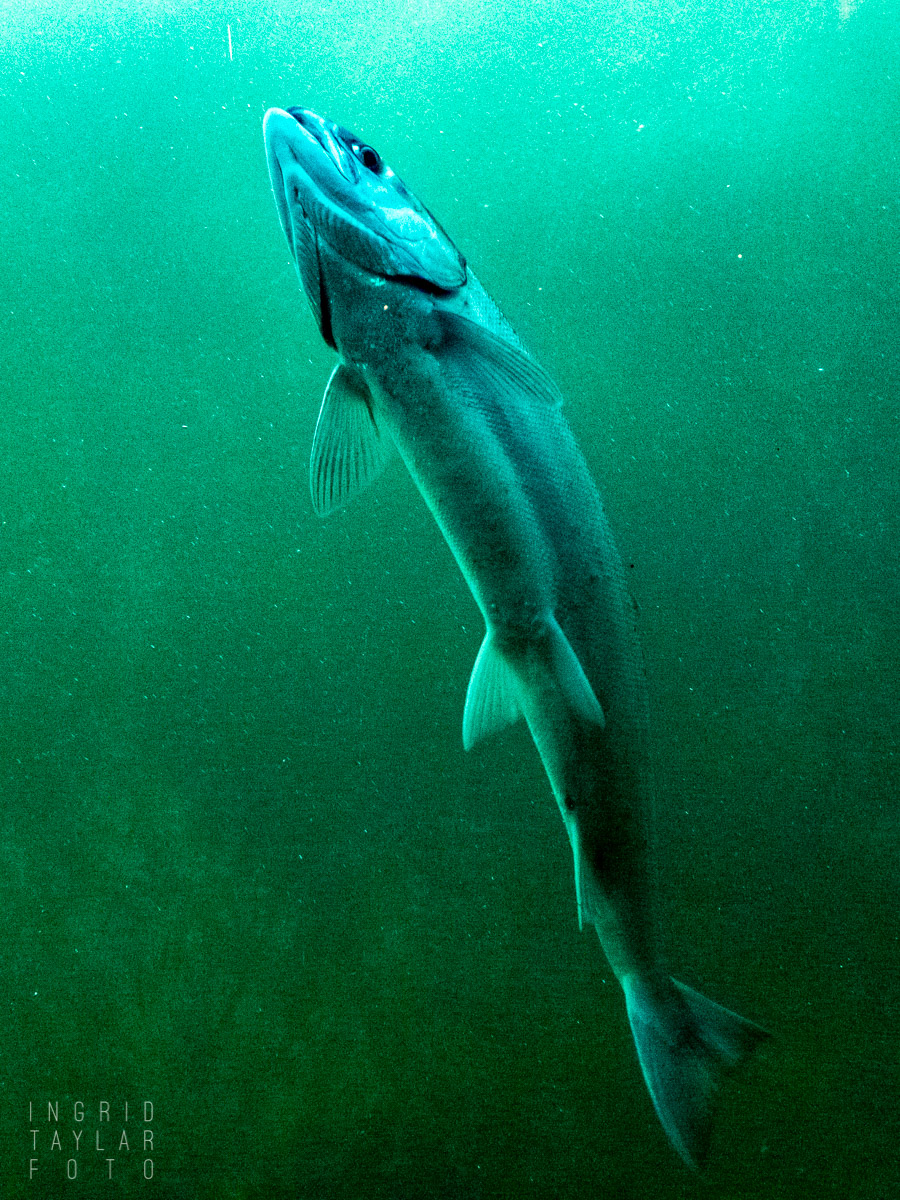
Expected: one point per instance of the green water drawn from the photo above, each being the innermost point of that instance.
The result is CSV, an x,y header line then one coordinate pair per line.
x,y
248,872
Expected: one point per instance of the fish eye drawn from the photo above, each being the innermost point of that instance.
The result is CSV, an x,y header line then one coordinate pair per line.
x,y
368,157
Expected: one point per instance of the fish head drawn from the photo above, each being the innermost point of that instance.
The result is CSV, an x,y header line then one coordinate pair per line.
x,y
332,187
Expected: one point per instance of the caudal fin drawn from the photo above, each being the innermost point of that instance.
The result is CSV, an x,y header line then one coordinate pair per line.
x,y
686,1046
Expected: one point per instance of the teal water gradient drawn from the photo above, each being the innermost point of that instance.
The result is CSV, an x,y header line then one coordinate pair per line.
x,y
247,870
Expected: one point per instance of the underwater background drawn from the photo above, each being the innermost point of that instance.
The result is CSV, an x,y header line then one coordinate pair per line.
x,y
248,874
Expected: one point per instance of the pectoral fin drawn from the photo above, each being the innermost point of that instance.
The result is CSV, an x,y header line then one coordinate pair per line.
x,y
492,364
349,449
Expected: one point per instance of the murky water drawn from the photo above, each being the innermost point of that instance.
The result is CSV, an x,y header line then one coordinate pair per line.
x,y
249,874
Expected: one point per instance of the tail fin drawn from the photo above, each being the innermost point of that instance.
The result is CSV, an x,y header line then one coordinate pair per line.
x,y
686,1045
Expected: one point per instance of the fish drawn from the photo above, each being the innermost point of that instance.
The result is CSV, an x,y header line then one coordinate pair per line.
x,y
429,369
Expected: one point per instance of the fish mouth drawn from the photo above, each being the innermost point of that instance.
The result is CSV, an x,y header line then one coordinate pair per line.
x,y
324,185
290,161
302,146
320,131
317,152
276,144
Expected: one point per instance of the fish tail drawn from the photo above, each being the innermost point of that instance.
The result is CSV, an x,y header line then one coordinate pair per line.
x,y
686,1045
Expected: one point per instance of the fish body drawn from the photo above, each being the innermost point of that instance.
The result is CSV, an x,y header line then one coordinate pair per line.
x,y
429,366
